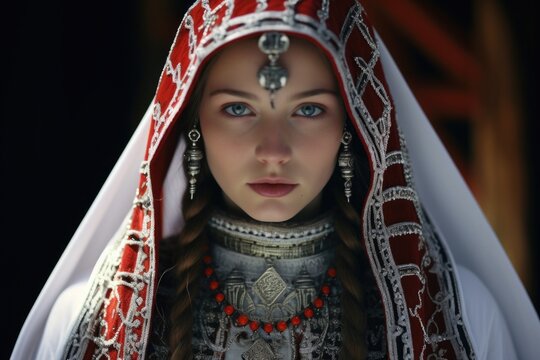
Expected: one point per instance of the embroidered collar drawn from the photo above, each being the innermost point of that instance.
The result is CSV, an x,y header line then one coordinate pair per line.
x,y
286,240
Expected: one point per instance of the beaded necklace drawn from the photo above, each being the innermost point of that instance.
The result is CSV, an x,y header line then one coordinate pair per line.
x,y
242,319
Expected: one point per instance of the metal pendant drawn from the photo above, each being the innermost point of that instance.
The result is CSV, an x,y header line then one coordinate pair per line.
x,y
305,289
273,77
260,350
235,288
269,286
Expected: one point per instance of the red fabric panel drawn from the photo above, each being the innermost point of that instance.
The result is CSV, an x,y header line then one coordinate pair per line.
x,y
400,210
405,249
393,176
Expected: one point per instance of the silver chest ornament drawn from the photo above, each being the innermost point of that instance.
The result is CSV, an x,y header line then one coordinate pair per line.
x,y
260,350
269,286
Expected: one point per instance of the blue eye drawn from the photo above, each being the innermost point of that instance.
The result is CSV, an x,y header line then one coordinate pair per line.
x,y
237,110
309,110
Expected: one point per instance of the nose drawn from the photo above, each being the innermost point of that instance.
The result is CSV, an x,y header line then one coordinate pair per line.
x,y
273,146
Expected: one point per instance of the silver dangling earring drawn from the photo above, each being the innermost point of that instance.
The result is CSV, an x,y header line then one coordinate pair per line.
x,y
194,156
345,162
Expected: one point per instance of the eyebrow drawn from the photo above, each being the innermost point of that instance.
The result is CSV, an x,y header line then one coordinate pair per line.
x,y
251,96
234,92
314,92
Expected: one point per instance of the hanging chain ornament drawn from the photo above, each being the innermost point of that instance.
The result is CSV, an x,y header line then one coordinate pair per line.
x,y
194,157
273,77
345,162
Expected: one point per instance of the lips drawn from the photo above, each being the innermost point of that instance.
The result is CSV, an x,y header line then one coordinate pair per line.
x,y
272,190
272,187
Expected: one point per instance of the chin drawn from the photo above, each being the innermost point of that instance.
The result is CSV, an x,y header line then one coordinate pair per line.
x,y
272,214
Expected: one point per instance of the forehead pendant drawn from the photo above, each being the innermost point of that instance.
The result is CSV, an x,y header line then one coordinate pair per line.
x,y
272,76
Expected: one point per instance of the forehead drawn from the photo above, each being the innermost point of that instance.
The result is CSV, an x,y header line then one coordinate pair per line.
x,y
241,61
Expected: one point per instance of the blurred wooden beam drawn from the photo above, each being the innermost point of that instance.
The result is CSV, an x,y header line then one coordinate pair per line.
x,y
431,38
498,137
440,100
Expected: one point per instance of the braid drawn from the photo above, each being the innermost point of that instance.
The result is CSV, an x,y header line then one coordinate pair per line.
x,y
348,264
191,244
350,257
189,250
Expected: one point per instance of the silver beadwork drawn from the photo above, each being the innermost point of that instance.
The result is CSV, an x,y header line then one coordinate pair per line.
x,y
346,164
273,77
272,241
194,156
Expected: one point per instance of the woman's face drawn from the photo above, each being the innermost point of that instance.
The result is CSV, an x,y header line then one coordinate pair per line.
x,y
271,163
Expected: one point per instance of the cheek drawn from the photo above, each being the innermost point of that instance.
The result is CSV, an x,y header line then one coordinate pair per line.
x,y
320,159
222,152
323,148
212,147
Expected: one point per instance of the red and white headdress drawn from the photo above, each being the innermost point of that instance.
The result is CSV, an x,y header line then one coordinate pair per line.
x,y
412,258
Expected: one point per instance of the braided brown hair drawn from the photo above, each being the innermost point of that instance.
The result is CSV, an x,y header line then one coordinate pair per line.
x,y
349,265
190,245
350,258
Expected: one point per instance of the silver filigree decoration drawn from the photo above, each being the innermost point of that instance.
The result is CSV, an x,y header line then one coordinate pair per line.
x,y
273,77
260,350
393,158
269,286
399,193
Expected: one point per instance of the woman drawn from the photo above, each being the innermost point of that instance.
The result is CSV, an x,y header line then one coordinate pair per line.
x,y
301,232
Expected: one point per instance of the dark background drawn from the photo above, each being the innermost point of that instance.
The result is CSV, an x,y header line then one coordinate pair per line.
x,y
76,79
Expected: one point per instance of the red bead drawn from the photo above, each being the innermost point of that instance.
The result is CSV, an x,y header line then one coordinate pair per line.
x,y
325,289
318,303
207,259
254,325
228,309
308,312
219,297
281,326
242,320
208,272
295,320
332,272
268,328
213,285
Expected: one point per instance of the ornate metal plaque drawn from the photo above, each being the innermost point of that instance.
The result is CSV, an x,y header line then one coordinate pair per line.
x,y
269,286
260,350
